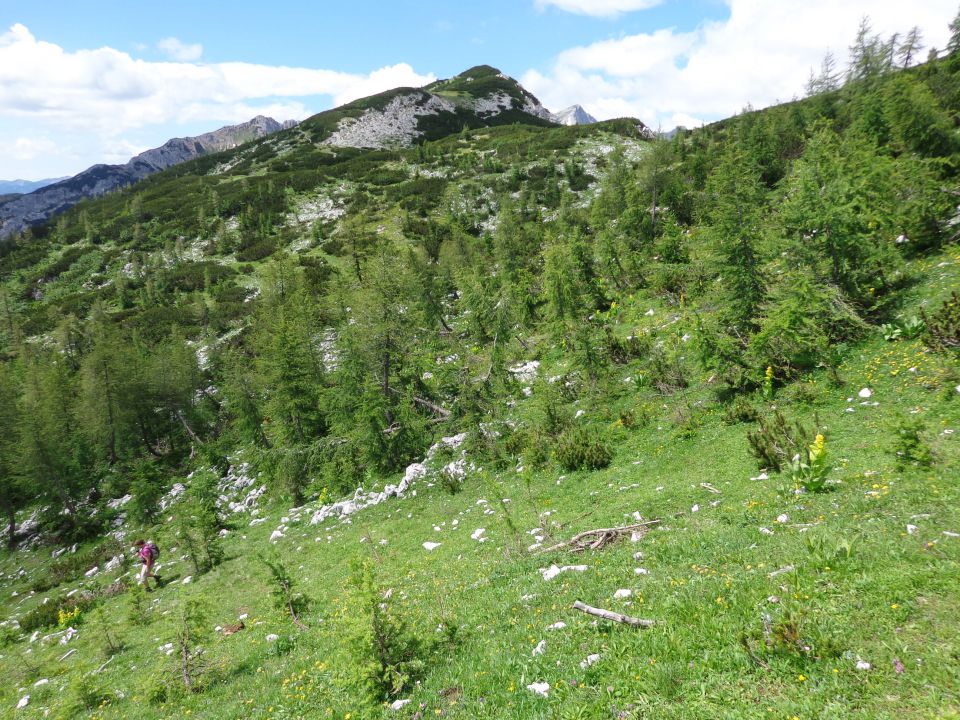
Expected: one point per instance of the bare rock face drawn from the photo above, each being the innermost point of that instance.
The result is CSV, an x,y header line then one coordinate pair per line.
x,y
573,115
396,124
23,211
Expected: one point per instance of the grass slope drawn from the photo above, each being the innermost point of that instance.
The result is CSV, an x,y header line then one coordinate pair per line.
x,y
814,584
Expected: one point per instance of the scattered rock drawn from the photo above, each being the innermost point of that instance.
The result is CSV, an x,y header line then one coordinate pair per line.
x,y
781,571
540,688
551,572
589,660
526,372
430,546
540,648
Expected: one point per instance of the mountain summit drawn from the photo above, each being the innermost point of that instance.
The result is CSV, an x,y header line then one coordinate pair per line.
x,y
479,97
573,115
21,212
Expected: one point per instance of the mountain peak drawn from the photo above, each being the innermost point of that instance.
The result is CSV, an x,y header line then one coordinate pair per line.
x,y
573,115
478,97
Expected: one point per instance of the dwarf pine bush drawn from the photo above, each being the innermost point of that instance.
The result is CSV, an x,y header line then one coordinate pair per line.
x,y
386,656
911,447
577,449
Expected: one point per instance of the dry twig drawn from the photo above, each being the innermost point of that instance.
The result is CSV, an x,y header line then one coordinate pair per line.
x,y
599,538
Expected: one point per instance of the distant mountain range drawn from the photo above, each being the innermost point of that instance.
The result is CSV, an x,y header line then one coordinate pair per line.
x,y
479,97
21,211
19,187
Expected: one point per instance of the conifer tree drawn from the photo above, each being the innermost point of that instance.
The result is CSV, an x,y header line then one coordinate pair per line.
x,y
13,493
735,213
910,47
54,457
104,386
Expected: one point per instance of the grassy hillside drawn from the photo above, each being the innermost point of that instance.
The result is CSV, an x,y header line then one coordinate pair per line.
x,y
745,337
852,581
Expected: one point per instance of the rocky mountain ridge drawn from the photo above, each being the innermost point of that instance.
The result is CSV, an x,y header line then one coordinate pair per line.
x,y
21,212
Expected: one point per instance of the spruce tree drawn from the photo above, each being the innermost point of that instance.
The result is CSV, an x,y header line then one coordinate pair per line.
x,y
13,492
736,205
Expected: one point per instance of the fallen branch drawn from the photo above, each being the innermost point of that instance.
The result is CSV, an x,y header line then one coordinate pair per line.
x,y
711,488
614,616
442,412
746,646
597,539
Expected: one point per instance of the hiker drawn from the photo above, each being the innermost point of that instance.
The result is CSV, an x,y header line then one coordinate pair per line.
x,y
148,553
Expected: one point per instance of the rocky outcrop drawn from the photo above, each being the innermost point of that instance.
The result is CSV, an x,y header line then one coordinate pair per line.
x,y
399,118
36,207
573,115
396,124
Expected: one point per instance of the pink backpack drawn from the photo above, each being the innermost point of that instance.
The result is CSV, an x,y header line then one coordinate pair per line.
x,y
149,552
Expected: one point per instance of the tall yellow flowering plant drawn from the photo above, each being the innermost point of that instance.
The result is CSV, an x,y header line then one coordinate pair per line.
x,y
811,472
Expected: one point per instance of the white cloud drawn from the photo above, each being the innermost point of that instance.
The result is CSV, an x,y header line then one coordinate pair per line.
x,y
598,8
104,93
28,148
761,54
180,51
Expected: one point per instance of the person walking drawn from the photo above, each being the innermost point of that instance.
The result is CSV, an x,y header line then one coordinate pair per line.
x,y
148,552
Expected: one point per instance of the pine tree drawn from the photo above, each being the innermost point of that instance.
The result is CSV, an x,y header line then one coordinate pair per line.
x,y
911,46
54,456
828,79
735,214
13,493
560,281
288,361
377,398
953,44
870,56
104,386
840,203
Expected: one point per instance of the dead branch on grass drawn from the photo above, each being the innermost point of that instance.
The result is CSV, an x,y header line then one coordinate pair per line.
x,y
614,616
599,538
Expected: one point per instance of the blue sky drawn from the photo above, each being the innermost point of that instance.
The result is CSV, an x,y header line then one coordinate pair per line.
x,y
445,37
98,81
